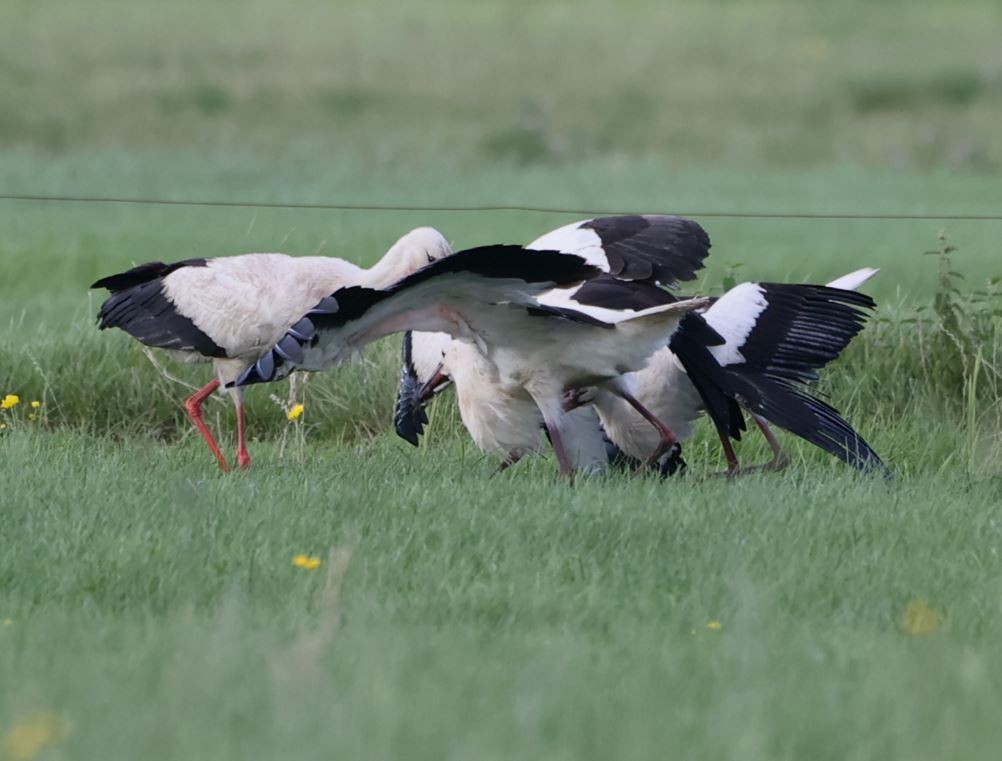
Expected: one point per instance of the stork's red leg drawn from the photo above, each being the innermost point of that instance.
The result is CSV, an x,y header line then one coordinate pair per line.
x,y
779,458
193,406
729,453
668,439
243,456
563,459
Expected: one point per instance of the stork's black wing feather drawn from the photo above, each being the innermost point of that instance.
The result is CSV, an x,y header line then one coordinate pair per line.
x,y
690,343
144,273
802,329
608,292
652,247
572,315
810,418
409,417
139,306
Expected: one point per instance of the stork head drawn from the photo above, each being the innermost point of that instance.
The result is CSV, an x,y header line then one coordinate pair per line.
x,y
417,249
462,360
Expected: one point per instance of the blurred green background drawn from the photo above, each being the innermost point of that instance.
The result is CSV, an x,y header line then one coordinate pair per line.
x,y
782,106
885,85
148,607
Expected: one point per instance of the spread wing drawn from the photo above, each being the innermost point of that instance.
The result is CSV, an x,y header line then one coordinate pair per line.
x,y
776,337
473,291
636,253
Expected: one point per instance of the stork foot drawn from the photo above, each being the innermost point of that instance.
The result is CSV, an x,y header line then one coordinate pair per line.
x,y
578,397
778,463
511,459
669,446
774,465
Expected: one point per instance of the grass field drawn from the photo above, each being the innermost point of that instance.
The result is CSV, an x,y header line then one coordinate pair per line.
x,y
149,606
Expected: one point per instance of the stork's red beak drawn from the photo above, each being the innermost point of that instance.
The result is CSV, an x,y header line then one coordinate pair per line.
x,y
438,381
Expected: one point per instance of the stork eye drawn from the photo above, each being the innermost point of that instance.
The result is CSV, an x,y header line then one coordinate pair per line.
x,y
431,259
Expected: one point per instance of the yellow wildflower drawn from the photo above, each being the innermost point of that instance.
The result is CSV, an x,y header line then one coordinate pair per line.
x,y
714,625
11,400
919,618
296,412
36,404
8,621
29,736
308,562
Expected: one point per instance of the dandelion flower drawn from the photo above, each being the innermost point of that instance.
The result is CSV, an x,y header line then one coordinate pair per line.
x,y
36,404
308,562
30,735
919,618
714,625
11,400
296,412
8,622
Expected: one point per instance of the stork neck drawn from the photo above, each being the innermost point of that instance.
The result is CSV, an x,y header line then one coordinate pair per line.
x,y
388,270
325,274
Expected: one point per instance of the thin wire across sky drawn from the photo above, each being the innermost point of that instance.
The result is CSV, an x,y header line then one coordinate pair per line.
x,y
481,208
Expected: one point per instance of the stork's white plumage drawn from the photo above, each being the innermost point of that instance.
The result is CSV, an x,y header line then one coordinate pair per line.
x,y
788,332
505,420
583,355
230,310
487,297
500,421
652,249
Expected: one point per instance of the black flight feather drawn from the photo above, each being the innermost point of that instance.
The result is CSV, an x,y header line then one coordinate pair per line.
x,y
573,315
144,273
409,416
610,293
690,343
810,418
139,306
652,247
802,329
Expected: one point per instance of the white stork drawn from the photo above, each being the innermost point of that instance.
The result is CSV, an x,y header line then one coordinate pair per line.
x,y
538,351
756,347
788,332
642,248
230,310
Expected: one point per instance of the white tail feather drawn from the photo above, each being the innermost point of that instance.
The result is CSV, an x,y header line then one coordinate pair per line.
x,y
853,280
